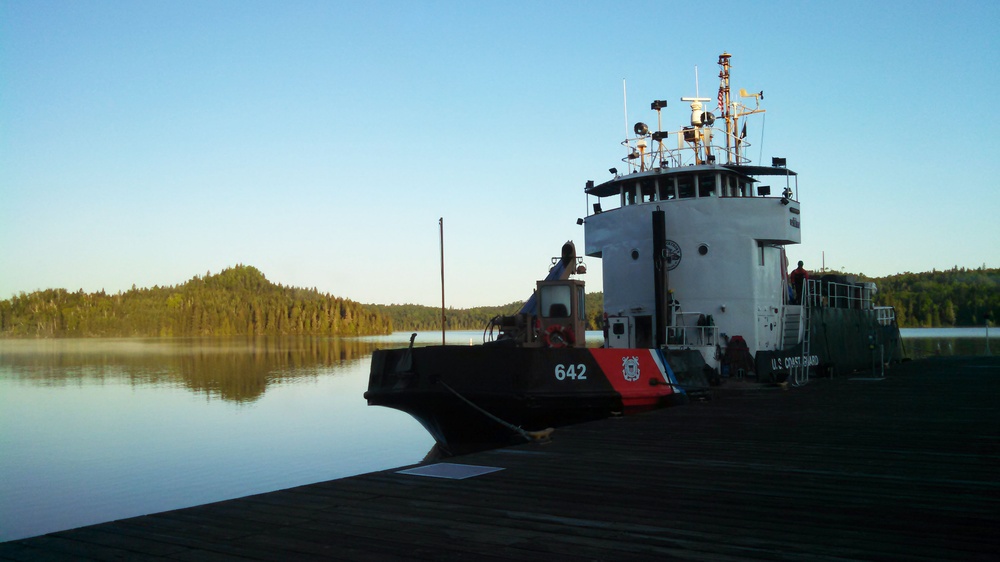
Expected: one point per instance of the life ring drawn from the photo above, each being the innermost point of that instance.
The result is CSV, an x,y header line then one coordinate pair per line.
x,y
559,336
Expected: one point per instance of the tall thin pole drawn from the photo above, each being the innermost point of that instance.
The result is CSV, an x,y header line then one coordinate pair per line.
x,y
988,335
724,96
443,319
628,149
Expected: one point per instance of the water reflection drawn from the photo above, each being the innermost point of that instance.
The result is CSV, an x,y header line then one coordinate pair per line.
x,y
241,369
233,369
94,430
918,348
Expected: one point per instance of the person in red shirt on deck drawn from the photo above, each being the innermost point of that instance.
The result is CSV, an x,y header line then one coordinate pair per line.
x,y
798,279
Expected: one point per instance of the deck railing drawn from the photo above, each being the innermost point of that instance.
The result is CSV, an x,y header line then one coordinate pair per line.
x,y
840,295
885,315
691,330
849,295
694,146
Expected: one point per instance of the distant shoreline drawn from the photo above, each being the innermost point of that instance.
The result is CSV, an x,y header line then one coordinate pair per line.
x,y
403,335
956,332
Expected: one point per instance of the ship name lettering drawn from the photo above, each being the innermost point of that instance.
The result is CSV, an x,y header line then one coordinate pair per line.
x,y
789,362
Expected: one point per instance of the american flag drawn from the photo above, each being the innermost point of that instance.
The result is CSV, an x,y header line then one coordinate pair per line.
x,y
722,103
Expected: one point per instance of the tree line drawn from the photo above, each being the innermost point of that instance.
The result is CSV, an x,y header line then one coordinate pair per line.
x,y
241,301
236,301
415,317
936,299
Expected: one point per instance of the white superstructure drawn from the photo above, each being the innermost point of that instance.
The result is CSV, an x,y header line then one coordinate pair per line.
x,y
692,236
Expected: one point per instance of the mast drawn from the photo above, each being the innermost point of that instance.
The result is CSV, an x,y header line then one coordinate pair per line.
x,y
628,148
724,104
444,320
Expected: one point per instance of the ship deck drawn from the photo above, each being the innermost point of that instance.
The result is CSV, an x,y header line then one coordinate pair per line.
x,y
901,468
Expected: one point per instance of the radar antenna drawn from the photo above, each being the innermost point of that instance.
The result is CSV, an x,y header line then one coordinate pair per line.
x,y
696,134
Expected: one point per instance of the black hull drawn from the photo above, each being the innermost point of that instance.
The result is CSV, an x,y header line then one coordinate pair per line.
x,y
843,340
478,397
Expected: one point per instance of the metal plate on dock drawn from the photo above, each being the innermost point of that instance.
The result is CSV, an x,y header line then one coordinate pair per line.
x,y
450,471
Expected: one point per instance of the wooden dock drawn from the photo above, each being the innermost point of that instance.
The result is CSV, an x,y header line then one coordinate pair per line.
x,y
905,468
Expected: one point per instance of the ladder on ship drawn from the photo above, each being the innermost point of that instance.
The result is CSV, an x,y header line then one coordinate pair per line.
x,y
791,334
798,373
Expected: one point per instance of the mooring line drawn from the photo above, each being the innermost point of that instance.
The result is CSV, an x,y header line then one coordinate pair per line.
x,y
542,435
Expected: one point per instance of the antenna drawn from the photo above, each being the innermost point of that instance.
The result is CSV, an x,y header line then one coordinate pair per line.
x,y
625,102
698,119
696,115
739,111
696,99
444,319
725,109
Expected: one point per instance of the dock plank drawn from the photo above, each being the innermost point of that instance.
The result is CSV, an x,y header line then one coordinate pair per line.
x,y
904,468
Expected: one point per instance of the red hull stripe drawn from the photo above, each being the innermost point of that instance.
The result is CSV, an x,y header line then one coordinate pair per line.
x,y
632,373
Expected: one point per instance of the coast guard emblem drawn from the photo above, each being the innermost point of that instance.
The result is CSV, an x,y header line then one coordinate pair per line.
x,y
630,368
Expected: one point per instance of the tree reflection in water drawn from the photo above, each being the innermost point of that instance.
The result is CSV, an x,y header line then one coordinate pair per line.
x,y
233,369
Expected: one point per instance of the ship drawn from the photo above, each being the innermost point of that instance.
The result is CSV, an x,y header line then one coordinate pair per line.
x,y
697,294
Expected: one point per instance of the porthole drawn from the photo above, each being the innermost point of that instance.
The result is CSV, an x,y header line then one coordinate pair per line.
x,y
703,249
635,254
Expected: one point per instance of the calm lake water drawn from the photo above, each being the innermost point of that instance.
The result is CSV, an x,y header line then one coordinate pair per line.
x,y
927,342
98,430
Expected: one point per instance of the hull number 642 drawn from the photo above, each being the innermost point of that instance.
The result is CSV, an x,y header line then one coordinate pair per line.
x,y
576,372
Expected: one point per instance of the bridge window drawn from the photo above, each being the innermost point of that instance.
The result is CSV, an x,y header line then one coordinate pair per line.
x,y
630,195
730,186
647,191
685,187
706,185
667,190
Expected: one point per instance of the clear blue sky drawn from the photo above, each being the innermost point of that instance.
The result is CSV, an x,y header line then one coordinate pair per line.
x,y
147,142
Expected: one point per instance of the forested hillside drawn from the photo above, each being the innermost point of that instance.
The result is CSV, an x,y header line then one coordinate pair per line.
x,y
414,317
933,299
241,301
957,297
237,301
